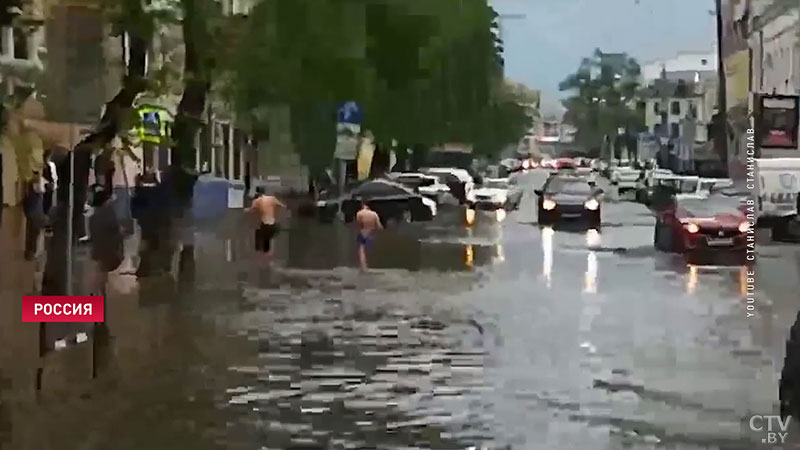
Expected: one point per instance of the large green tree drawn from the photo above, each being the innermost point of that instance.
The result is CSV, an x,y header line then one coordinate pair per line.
x,y
424,72
601,93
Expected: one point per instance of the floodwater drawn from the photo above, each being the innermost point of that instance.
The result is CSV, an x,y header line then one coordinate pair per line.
x,y
501,334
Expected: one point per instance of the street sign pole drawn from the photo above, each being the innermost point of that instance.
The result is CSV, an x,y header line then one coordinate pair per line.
x,y
70,211
348,123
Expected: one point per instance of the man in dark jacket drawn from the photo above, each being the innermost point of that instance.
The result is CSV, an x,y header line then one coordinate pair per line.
x,y
105,237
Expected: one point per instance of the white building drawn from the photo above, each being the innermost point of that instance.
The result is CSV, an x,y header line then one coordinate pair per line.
x,y
682,66
682,97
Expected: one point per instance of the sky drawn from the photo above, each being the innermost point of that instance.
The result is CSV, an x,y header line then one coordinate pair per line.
x,y
546,45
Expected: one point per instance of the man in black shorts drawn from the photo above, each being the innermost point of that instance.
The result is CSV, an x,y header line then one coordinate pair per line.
x,y
266,206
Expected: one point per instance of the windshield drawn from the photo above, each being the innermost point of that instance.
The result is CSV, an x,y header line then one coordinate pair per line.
x,y
707,185
373,189
710,208
688,186
408,180
571,187
495,184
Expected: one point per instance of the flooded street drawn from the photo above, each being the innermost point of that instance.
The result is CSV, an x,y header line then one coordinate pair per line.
x,y
502,334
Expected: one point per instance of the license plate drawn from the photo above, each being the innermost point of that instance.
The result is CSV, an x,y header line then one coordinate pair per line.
x,y
720,242
785,207
571,215
322,204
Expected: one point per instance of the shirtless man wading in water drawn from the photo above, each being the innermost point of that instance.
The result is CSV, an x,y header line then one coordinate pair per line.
x,y
367,221
266,207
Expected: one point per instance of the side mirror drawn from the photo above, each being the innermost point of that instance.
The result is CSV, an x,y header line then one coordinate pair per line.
x,y
538,192
600,191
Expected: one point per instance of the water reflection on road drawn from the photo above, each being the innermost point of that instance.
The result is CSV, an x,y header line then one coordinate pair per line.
x,y
547,255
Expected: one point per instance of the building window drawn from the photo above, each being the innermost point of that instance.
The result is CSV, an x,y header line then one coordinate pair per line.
x,y
675,130
656,108
675,108
20,44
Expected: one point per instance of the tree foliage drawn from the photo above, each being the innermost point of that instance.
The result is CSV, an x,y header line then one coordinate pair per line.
x,y
601,92
424,72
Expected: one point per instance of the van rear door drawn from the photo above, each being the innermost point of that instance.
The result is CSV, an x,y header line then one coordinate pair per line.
x,y
778,186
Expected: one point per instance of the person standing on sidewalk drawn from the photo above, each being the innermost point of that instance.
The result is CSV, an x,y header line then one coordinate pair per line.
x,y
105,233
51,183
34,214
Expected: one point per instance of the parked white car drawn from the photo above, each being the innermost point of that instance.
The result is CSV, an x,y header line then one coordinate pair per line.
x,y
446,174
700,188
497,193
625,178
427,185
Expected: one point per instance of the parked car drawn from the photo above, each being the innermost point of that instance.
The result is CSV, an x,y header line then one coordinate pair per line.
x,y
653,178
460,182
703,186
694,227
498,193
565,198
564,163
393,202
624,178
428,185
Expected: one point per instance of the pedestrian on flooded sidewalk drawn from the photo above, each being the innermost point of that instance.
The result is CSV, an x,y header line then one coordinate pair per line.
x,y
105,231
33,207
367,222
266,207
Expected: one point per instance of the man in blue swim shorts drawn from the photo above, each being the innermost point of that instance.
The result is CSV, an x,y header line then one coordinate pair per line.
x,y
367,221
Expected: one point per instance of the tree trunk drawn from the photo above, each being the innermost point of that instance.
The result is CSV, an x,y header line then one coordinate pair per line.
x,y
115,117
188,121
189,116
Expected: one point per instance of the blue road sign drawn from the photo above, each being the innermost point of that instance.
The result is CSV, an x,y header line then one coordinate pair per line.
x,y
349,112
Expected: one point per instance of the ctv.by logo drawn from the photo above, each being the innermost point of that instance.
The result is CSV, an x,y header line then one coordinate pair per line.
x,y
777,428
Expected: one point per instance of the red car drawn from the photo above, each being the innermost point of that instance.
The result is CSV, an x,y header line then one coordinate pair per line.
x,y
696,226
564,163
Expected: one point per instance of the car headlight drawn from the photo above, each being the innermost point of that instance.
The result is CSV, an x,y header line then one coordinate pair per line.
x,y
744,227
592,204
549,205
692,228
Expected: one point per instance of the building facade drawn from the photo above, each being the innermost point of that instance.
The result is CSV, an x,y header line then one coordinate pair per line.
x,y
684,65
775,49
736,57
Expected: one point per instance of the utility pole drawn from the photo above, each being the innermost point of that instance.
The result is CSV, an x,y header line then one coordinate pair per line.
x,y
721,127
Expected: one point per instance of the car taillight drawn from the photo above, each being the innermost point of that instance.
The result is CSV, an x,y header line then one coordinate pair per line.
x,y
692,228
744,227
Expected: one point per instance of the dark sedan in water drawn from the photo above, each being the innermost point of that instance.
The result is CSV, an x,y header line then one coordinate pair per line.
x,y
568,198
392,201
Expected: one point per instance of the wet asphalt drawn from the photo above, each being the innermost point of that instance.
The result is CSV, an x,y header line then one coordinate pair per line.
x,y
501,334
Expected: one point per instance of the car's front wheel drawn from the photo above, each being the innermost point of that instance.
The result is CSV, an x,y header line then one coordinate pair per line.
x,y
543,217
